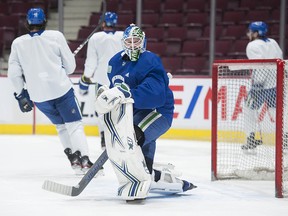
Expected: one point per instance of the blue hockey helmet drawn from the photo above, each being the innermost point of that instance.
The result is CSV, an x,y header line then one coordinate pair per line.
x,y
260,27
36,16
110,19
133,42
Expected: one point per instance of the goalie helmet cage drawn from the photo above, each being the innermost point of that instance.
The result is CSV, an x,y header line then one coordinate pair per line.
x,y
231,82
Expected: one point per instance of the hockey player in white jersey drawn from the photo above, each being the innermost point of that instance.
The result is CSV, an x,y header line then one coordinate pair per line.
x,y
101,47
263,88
139,101
39,65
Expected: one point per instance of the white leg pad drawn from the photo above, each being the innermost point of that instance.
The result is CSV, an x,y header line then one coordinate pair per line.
x,y
125,155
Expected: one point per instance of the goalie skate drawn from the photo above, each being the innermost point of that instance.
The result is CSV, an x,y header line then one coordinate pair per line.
x,y
166,180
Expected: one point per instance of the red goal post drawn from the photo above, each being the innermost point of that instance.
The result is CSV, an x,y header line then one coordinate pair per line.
x,y
250,121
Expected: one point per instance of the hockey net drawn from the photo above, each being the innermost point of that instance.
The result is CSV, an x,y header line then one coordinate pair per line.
x,y
250,141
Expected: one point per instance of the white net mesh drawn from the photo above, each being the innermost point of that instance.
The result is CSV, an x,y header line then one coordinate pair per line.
x,y
246,121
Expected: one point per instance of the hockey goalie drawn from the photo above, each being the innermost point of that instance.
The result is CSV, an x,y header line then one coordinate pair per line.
x,y
123,145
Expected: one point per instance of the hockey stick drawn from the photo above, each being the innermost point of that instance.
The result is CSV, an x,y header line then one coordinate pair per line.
x,y
76,190
170,76
95,30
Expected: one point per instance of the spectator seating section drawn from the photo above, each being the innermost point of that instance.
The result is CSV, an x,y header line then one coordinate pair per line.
x,y
194,6
172,6
74,45
13,18
154,34
171,63
176,30
125,19
151,6
192,65
127,7
182,32
112,5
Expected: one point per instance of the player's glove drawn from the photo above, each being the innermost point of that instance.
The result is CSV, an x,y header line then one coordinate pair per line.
x,y
84,83
107,99
25,104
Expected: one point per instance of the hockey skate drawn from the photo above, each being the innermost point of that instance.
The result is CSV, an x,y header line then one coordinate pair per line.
x,y
79,164
166,181
252,143
75,160
87,164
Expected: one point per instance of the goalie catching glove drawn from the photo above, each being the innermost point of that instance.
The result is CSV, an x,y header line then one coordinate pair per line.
x,y
84,83
107,99
25,104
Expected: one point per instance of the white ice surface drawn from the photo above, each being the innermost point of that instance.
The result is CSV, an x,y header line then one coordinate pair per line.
x,y
26,161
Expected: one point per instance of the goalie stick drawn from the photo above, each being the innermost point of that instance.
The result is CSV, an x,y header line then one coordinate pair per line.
x,y
95,30
76,190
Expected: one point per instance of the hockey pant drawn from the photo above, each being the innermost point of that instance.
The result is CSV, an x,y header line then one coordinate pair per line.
x,y
254,103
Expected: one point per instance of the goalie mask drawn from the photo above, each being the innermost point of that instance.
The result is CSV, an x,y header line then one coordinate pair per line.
x,y
133,42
